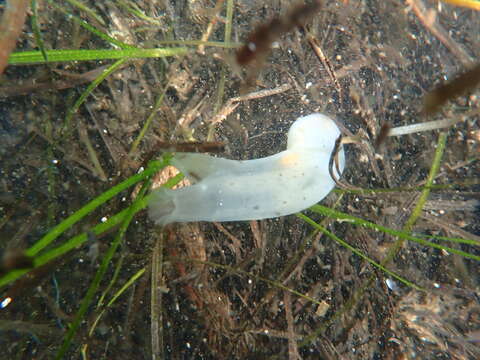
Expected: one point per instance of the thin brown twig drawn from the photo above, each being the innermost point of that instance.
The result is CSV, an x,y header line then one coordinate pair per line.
x,y
236,243
211,26
30,85
10,28
334,160
314,43
428,18
293,353
232,104
447,226
83,135
68,155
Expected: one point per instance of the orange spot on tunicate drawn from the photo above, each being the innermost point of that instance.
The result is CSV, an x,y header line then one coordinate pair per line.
x,y
290,159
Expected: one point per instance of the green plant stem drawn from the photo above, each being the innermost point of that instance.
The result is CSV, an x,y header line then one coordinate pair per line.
x,y
80,239
357,252
393,250
402,235
134,10
223,72
100,273
71,111
36,30
92,205
89,27
87,10
220,44
36,57
149,121
273,283
437,159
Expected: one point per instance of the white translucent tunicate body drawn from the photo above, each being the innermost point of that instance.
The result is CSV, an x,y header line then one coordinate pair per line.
x,y
233,190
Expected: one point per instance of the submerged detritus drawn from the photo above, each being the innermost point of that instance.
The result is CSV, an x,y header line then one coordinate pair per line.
x,y
232,190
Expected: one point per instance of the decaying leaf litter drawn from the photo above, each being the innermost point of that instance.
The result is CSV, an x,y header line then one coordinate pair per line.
x,y
211,296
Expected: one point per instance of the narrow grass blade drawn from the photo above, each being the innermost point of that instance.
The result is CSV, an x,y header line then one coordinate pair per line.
x,y
398,233
80,239
71,111
90,12
92,205
66,55
87,300
147,124
437,159
36,30
358,252
89,27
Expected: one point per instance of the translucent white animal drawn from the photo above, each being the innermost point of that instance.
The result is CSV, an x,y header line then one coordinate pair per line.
x,y
232,190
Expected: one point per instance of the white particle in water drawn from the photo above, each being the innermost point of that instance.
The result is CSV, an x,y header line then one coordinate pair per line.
x,y
392,285
5,302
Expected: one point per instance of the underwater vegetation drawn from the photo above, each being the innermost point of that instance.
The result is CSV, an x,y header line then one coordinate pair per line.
x,y
100,99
